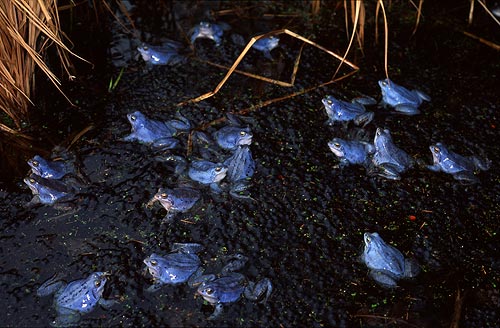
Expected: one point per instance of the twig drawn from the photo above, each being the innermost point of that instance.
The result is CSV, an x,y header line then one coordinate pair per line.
x,y
457,312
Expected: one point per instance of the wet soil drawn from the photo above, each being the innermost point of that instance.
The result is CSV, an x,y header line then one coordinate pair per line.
x,y
304,227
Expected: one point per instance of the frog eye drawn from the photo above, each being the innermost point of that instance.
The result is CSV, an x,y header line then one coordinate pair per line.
x,y
97,283
32,180
164,195
243,133
146,48
35,163
368,239
336,145
436,149
218,169
154,262
384,83
329,102
133,117
209,291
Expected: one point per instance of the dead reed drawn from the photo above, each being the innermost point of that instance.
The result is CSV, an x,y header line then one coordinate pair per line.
x,y
27,29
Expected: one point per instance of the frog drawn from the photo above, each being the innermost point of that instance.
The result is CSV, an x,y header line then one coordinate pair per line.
x,y
265,45
210,31
47,191
343,111
158,134
176,200
231,137
166,54
208,173
241,168
75,298
403,101
386,263
351,151
462,168
181,265
230,286
389,160
49,169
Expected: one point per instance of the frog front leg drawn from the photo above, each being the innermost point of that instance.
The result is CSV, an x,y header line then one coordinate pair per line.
x,y
239,189
219,307
106,304
199,278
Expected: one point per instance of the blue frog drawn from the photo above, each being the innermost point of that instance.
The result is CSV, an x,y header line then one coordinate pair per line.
x,y
166,54
156,133
386,263
401,99
74,298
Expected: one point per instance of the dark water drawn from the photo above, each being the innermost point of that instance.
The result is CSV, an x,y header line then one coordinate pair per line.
x,y
304,228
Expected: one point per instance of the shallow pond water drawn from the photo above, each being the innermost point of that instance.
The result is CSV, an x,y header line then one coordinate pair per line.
x,y
304,227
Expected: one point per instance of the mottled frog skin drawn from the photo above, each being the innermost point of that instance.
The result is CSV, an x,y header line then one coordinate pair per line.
x,y
386,263
241,168
401,99
182,265
462,168
390,160
343,111
156,133
176,200
76,297
208,173
351,151
49,169
47,191
230,137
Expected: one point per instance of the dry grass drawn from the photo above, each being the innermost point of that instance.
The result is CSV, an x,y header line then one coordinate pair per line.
x,y
27,29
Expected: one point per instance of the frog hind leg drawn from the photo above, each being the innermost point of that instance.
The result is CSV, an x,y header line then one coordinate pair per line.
x,y
466,177
364,118
479,163
388,171
407,109
383,279
50,286
165,143
255,291
412,269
